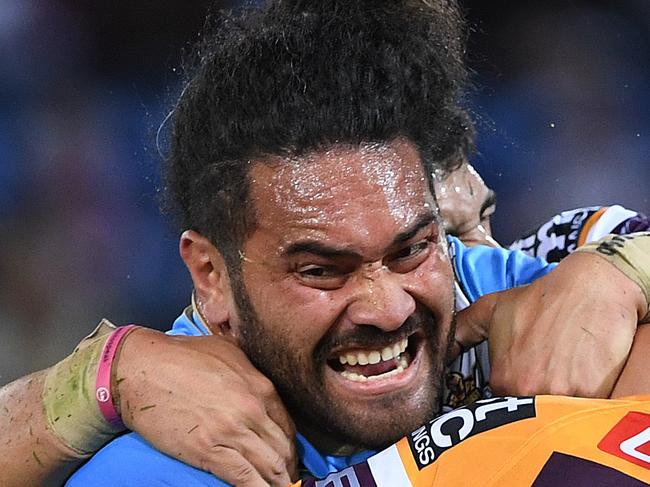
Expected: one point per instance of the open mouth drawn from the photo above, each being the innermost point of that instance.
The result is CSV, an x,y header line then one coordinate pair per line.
x,y
363,365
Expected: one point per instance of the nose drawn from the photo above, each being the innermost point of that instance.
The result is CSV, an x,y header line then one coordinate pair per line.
x,y
379,299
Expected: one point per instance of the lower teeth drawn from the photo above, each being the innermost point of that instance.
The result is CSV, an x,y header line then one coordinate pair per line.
x,y
402,364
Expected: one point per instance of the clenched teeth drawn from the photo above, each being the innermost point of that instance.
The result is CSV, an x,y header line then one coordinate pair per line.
x,y
403,363
374,356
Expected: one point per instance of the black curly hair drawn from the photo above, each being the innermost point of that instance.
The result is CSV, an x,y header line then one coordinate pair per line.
x,y
296,76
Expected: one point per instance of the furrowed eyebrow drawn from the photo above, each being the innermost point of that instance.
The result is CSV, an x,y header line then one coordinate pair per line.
x,y
422,221
489,200
318,248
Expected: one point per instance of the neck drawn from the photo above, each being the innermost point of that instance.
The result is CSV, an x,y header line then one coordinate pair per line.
x,y
326,443
196,308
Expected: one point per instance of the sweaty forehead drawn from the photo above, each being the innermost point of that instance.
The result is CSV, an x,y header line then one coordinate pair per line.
x,y
384,181
461,196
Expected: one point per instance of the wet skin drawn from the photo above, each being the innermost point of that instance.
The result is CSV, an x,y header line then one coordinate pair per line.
x,y
347,259
466,205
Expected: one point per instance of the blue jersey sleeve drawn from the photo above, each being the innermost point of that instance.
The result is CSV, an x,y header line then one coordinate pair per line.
x,y
482,270
130,460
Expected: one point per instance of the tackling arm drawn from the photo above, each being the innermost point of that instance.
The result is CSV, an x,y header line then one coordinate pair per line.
x,y
30,454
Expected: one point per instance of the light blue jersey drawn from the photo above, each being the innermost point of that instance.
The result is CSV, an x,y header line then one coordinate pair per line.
x,y
130,460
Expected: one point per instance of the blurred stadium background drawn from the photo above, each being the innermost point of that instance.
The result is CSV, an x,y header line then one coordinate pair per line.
x,y
562,107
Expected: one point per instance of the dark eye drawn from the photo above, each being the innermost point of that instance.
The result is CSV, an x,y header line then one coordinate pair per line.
x,y
487,212
408,258
321,276
315,271
411,250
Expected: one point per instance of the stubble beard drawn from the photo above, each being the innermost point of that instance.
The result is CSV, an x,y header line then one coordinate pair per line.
x,y
299,380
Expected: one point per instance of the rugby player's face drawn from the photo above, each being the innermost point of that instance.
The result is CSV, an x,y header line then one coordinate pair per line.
x,y
346,293
466,204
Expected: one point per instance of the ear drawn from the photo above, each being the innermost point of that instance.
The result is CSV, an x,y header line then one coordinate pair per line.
x,y
210,277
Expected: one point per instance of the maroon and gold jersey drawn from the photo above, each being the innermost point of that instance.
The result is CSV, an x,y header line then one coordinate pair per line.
x,y
516,441
562,234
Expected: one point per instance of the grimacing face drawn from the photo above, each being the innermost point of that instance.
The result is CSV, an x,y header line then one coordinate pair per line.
x,y
346,297
466,204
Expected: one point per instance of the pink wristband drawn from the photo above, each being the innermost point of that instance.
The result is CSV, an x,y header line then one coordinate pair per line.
x,y
103,382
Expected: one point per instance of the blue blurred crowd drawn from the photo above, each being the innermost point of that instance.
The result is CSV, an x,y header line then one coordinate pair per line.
x,y
562,106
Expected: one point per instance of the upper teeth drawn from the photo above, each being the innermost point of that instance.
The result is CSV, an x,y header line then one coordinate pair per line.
x,y
374,356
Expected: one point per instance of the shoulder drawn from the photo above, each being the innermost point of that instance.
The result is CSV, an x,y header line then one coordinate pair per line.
x,y
482,270
130,460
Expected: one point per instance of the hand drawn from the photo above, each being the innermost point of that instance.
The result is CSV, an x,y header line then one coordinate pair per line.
x,y
200,400
635,380
568,333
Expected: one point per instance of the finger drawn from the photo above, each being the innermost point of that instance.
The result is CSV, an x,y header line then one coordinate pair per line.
x,y
284,436
269,432
473,323
259,456
254,419
279,430
274,406
635,378
232,467
271,465
278,413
